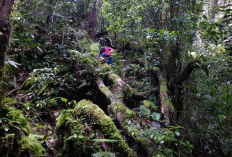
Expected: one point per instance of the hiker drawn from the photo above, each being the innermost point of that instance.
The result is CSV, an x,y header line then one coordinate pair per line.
x,y
105,52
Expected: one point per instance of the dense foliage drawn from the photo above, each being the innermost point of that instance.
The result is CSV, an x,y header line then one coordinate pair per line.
x,y
168,92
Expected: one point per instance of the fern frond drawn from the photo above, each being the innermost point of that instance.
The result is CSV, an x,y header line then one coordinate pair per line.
x,y
11,62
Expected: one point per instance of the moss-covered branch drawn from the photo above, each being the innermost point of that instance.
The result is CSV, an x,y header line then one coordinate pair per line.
x,y
104,90
82,129
105,124
184,74
166,105
121,113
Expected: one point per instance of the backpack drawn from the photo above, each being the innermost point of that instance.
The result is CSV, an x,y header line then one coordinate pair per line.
x,y
102,42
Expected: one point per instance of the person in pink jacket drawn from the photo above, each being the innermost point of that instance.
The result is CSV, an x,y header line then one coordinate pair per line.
x,y
106,52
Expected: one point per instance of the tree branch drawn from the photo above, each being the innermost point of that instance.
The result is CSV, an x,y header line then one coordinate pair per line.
x,y
166,105
181,77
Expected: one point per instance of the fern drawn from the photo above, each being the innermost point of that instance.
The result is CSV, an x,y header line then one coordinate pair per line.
x,y
11,62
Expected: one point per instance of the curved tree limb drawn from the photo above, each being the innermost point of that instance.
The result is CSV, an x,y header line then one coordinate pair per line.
x,y
175,84
181,77
121,113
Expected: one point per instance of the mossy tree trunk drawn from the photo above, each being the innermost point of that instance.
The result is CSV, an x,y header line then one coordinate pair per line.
x,y
166,105
176,70
175,84
105,124
122,114
86,129
5,33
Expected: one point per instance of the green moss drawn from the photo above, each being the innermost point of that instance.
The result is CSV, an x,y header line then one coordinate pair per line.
x,y
105,69
114,77
128,92
106,91
105,123
121,110
17,116
43,89
129,114
27,85
70,132
9,101
163,86
32,145
122,107
28,105
169,104
63,118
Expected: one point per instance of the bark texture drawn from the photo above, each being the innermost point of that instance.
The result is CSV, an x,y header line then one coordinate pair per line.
x,y
5,33
5,30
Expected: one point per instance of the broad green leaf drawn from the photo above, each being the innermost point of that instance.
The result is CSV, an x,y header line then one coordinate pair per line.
x,y
203,23
194,25
6,128
156,116
64,100
27,39
17,127
39,126
181,142
146,103
162,31
152,105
